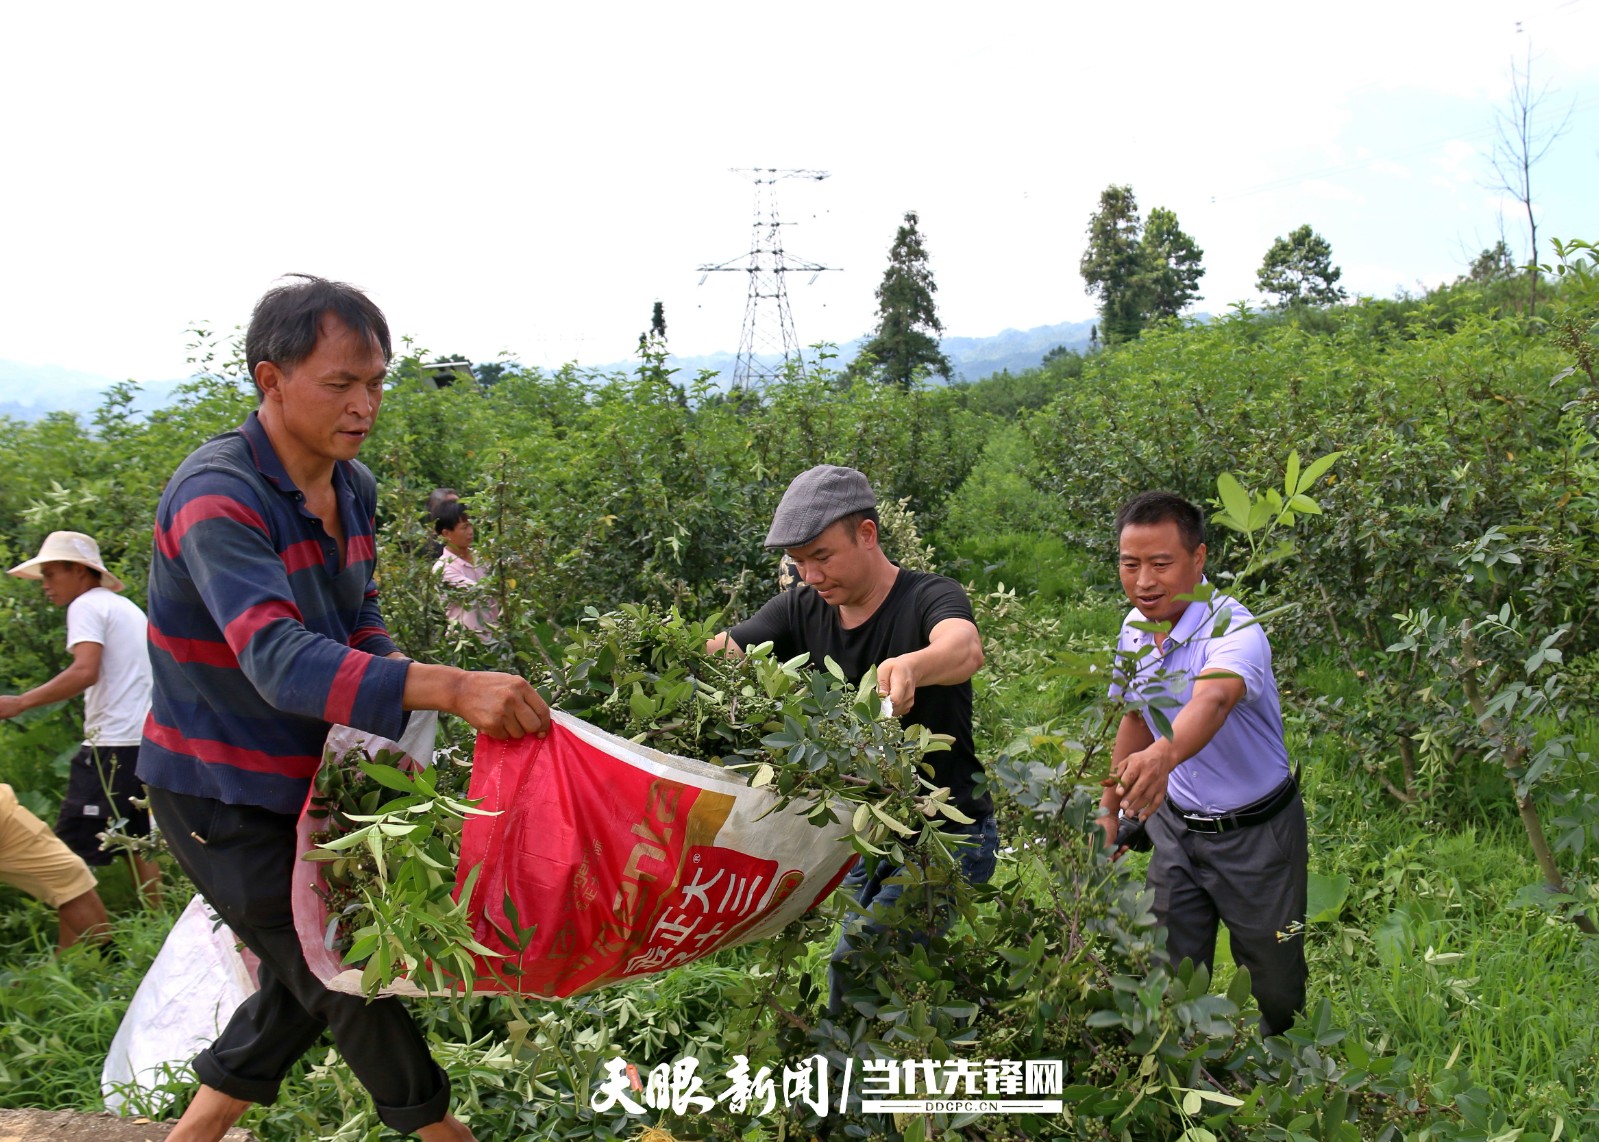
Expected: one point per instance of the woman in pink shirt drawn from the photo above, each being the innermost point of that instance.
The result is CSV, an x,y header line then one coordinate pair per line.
x,y
464,600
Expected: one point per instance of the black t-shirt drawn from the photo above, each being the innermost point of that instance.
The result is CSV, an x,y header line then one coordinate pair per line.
x,y
801,620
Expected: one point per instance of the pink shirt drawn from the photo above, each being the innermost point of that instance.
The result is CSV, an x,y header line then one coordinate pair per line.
x,y
461,601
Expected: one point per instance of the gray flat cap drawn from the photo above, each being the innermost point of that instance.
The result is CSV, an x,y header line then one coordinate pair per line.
x,y
818,497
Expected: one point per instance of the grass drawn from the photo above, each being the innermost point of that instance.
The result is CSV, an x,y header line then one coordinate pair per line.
x,y
1432,958
1447,976
58,1014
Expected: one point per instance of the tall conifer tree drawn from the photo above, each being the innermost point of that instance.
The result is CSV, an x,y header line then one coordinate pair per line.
x,y
1113,265
1171,263
906,341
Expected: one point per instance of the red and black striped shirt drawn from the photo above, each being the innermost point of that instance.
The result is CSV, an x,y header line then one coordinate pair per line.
x,y
260,636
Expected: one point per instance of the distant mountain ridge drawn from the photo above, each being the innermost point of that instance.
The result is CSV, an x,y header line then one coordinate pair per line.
x,y
28,392
1013,349
973,358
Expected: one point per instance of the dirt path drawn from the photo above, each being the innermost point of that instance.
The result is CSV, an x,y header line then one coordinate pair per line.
x,y
74,1126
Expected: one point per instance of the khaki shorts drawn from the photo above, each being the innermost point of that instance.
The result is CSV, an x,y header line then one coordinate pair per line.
x,y
35,860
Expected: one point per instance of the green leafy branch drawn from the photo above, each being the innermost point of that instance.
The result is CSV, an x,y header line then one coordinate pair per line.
x,y
1257,516
390,874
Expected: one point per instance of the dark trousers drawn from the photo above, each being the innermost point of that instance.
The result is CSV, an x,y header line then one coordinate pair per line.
x,y
241,858
101,787
1251,879
976,861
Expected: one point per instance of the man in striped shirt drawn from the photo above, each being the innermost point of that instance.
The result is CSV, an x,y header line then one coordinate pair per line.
x,y
264,630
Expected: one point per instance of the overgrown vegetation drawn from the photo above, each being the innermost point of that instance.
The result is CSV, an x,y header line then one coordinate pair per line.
x,y
1438,658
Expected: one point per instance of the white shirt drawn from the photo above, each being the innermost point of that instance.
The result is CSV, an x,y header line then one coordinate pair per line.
x,y
116,705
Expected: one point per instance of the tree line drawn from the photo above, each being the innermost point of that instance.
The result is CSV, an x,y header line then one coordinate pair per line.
x,y
1139,270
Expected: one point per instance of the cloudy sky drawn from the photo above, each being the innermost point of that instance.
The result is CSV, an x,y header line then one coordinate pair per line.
x,y
529,178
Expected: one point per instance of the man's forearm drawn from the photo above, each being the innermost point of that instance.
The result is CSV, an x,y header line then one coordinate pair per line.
x,y
1198,722
429,686
1132,735
1191,732
950,658
1141,777
71,682
724,644
942,666
497,704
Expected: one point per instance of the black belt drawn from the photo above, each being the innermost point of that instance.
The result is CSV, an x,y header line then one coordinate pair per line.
x,y
1257,813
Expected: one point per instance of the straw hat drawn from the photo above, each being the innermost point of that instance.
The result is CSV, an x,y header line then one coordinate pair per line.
x,y
67,547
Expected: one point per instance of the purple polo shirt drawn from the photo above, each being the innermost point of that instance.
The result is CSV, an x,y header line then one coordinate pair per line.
x,y
1247,758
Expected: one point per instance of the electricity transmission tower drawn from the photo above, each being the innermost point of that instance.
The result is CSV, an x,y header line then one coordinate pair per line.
x,y
767,265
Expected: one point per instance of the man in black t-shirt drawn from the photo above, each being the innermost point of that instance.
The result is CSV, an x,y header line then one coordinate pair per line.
x,y
863,610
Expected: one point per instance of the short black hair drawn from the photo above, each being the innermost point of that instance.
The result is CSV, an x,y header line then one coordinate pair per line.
x,y
449,517
438,497
1159,507
283,328
854,519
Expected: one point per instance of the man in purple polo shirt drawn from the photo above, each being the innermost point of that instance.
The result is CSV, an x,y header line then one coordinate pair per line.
x,y
1216,794
264,630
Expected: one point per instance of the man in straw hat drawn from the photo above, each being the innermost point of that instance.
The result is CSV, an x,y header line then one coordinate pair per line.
x,y
265,630
106,636
864,610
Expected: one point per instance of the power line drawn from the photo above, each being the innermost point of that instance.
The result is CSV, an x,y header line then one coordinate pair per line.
x,y
768,322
